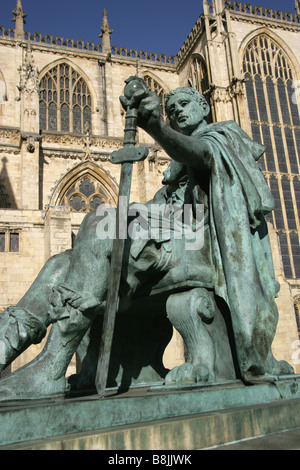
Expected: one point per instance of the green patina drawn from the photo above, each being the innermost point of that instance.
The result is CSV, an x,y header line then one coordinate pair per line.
x,y
220,297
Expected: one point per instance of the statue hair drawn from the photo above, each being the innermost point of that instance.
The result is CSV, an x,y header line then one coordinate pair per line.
x,y
188,91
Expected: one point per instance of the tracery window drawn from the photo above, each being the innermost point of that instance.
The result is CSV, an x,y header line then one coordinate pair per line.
x,y
274,117
198,79
198,75
65,101
154,86
85,194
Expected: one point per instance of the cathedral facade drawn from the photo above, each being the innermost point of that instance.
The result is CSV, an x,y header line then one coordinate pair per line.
x,y
61,118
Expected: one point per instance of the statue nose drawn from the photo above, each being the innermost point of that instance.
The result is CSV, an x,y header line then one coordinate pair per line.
x,y
178,109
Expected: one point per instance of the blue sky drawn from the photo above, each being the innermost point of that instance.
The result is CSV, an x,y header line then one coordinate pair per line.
x,y
152,25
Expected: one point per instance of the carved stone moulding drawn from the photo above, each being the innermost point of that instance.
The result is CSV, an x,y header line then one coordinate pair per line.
x,y
10,136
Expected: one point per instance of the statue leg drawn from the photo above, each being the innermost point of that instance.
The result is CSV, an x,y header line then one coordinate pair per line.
x,y
45,375
189,312
73,305
27,322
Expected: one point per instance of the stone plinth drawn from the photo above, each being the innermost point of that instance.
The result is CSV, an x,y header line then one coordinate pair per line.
x,y
156,418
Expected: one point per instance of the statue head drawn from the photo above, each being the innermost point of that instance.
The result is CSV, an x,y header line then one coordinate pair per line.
x,y
187,109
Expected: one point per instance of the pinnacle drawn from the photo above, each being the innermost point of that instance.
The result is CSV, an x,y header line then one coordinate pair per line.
x,y
105,26
18,12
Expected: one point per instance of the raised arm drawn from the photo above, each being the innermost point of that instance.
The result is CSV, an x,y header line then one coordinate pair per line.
x,y
186,115
184,149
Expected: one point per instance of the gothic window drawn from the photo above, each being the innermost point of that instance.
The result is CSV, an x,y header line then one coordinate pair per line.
x,y
65,101
154,86
275,122
198,76
85,194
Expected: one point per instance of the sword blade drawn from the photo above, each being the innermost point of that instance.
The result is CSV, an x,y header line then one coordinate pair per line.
x,y
114,280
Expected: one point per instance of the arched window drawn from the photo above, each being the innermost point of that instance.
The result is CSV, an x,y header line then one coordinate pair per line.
x,y
274,117
198,76
154,86
85,194
65,101
198,79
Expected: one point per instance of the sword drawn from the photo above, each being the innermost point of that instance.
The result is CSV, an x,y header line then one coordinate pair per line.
x,y
126,156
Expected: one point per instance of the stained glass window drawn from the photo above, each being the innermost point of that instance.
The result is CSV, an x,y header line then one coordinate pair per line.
x,y
296,252
85,194
65,101
275,121
198,76
65,118
154,86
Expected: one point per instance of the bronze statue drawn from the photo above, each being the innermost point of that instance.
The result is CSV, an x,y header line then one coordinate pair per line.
x,y
220,297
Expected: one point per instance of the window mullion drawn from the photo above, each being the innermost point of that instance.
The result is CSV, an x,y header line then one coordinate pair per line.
x,y
70,101
72,89
58,103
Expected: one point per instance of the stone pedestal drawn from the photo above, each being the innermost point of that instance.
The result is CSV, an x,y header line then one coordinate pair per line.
x,y
156,418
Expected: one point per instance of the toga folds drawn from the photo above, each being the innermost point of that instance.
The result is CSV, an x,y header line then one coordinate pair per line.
x,y
238,200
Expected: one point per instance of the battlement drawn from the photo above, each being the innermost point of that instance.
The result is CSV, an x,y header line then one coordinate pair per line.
x,y
235,7
190,40
122,52
246,8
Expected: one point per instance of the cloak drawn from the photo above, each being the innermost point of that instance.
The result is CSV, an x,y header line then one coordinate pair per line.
x,y
239,199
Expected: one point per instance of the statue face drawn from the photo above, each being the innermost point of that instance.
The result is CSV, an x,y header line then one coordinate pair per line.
x,y
185,113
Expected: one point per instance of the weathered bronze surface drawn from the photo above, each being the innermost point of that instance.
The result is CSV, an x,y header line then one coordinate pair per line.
x,y
219,295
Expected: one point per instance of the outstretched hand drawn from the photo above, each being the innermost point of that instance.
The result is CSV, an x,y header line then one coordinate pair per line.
x,y
145,101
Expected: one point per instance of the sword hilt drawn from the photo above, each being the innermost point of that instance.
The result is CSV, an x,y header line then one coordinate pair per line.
x,y
130,126
134,91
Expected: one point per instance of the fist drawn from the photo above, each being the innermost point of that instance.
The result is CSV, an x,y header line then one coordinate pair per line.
x,y
145,101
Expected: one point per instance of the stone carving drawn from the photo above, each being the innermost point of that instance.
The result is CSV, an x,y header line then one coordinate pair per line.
x,y
220,296
29,74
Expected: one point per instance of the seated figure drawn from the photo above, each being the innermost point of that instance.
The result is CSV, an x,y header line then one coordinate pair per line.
x,y
219,296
